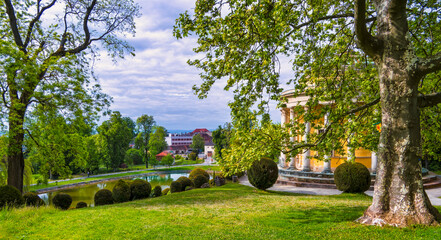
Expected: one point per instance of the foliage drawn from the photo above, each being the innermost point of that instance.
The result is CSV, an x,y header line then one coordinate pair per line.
x,y
263,173
352,177
117,136
197,143
103,197
198,180
133,157
121,191
145,125
185,181
157,141
153,161
81,205
157,191
175,187
62,201
10,197
165,191
192,156
167,160
198,171
32,199
140,189
221,139
95,153
212,183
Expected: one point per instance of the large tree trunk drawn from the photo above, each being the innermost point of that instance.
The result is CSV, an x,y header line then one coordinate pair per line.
x,y
399,197
15,151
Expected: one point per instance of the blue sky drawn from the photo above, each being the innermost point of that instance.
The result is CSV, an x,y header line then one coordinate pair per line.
x,y
158,81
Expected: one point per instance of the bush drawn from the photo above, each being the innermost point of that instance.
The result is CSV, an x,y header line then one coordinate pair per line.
x,y
133,156
192,156
32,199
103,197
157,191
185,181
175,187
198,171
165,191
263,173
123,165
140,189
10,197
352,177
81,205
121,191
199,180
62,201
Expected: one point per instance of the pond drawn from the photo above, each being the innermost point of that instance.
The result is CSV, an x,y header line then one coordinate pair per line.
x,y
86,193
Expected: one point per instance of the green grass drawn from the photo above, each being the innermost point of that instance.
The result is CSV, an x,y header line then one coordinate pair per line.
x,y
55,183
229,212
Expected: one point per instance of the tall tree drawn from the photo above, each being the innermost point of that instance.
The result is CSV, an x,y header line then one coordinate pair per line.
x,y
46,47
221,139
370,62
197,143
157,142
145,125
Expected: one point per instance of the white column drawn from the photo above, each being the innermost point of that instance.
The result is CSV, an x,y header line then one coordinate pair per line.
x,y
292,163
306,160
327,161
374,162
282,155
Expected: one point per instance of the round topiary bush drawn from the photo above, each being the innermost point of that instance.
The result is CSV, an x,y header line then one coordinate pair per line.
x,y
198,171
165,191
81,205
10,197
199,180
121,191
32,199
175,187
62,201
140,189
103,197
185,181
352,177
157,191
263,173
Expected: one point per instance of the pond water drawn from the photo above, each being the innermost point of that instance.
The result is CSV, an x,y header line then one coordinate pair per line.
x,y
86,193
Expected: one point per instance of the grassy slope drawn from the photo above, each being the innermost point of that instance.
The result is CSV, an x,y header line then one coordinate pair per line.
x,y
53,184
229,212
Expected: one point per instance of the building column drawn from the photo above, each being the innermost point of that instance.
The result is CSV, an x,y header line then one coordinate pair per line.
x,y
306,160
374,162
327,160
282,155
292,163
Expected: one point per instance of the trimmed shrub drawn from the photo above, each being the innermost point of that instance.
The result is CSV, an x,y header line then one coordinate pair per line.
x,y
185,181
157,191
10,197
103,197
352,178
140,189
199,180
32,199
205,185
81,205
62,201
263,173
175,187
121,191
198,171
192,156
165,191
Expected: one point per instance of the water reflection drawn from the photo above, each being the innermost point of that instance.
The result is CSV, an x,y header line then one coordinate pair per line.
x,y
87,192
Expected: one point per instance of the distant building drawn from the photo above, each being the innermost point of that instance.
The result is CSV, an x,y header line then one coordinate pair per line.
x,y
162,154
180,142
209,151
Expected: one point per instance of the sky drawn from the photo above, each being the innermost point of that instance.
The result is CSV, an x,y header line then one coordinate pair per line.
x,y
158,81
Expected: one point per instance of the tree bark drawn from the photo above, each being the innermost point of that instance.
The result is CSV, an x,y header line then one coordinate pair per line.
x,y
15,151
399,197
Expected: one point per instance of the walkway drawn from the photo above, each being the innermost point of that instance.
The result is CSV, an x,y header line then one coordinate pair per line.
x,y
433,194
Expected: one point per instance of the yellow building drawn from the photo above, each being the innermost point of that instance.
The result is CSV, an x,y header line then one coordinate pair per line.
x,y
306,161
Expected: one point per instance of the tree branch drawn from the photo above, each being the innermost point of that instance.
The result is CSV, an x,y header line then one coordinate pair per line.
x,y
13,24
371,45
429,64
36,19
429,100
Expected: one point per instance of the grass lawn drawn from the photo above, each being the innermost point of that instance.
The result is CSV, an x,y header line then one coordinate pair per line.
x,y
229,212
55,183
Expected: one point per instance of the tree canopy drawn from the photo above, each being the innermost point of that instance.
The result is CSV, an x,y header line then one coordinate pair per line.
x,y
198,143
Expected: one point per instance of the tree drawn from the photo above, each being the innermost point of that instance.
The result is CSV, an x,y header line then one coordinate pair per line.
x,y
94,154
157,142
117,135
221,139
371,62
197,143
167,160
145,125
45,48
153,161
133,157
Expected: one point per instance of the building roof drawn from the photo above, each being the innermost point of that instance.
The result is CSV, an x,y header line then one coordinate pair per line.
x,y
163,154
199,130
